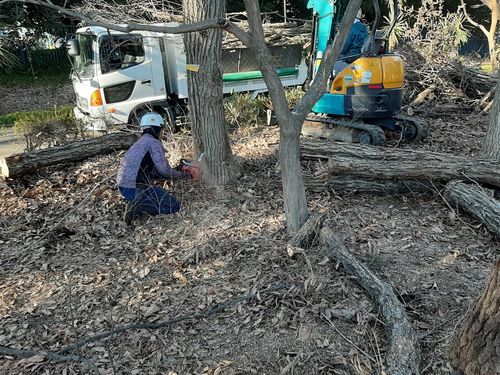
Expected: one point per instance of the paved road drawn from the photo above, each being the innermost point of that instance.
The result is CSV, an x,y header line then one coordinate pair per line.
x,y
9,144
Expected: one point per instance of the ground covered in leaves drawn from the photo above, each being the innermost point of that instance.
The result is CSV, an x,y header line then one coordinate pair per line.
x,y
70,269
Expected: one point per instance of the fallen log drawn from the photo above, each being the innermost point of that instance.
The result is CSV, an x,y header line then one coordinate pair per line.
x,y
403,352
21,164
477,201
396,164
360,185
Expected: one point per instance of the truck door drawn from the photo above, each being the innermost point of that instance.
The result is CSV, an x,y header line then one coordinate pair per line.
x,y
125,73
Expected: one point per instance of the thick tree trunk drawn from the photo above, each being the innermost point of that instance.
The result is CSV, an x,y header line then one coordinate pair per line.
x,y
203,54
491,146
379,163
476,349
403,352
477,201
21,164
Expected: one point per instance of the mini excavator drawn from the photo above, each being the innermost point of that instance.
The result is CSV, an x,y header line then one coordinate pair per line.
x,y
364,98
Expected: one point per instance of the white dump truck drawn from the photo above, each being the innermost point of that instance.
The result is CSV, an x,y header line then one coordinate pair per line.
x,y
119,76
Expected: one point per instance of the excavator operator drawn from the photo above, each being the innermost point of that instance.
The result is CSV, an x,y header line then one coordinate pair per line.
x,y
353,44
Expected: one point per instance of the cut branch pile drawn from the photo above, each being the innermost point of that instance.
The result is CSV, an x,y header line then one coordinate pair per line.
x,y
445,81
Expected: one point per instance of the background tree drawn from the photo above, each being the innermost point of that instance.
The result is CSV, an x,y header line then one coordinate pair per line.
x,y
491,146
489,32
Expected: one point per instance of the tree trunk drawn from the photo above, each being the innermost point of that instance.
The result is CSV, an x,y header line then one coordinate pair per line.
x,y
477,201
476,348
491,146
21,164
379,163
203,55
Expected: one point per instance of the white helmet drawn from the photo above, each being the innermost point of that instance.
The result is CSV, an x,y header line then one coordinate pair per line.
x,y
360,14
151,119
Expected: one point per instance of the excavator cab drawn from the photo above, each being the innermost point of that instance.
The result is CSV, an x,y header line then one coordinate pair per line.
x,y
364,98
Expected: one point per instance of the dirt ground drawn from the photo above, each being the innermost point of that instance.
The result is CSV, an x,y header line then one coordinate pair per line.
x,y
70,268
22,99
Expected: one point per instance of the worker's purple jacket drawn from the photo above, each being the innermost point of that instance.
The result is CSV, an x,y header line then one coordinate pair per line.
x,y
144,160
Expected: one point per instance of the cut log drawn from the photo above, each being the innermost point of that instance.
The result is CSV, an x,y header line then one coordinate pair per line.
x,y
21,164
403,352
393,164
360,185
477,201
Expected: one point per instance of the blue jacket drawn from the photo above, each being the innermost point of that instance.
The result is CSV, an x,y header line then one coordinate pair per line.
x,y
355,39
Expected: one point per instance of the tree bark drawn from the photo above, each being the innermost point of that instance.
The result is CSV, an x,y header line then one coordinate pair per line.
x,y
379,163
477,201
491,146
203,54
403,352
21,164
361,185
476,347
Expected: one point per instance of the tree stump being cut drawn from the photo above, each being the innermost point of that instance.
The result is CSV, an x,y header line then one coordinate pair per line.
x,y
20,164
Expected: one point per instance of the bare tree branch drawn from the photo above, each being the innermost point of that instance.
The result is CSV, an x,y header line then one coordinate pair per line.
x,y
471,21
185,28
22,353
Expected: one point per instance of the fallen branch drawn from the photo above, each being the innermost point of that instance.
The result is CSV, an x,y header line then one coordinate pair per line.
x,y
21,164
395,164
133,326
22,353
403,352
477,201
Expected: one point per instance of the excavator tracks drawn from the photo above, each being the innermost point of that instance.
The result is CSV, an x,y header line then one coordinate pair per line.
x,y
357,131
350,131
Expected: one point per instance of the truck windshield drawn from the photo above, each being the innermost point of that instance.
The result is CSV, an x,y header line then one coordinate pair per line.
x,y
117,52
84,63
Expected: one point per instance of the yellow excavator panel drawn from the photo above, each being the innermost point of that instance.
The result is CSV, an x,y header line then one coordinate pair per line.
x,y
393,69
363,71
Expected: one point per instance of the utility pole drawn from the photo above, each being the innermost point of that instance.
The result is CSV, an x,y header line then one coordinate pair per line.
x,y
284,10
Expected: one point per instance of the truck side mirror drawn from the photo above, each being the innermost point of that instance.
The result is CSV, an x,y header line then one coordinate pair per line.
x,y
59,42
73,47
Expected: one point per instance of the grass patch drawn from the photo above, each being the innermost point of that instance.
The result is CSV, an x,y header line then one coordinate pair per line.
x,y
10,119
48,127
40,78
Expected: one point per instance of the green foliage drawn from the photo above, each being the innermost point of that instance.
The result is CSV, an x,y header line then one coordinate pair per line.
x,y
243,110
45,127
8,60
400,28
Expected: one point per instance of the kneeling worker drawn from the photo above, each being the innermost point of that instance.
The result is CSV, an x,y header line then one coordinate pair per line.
x,y
143,163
